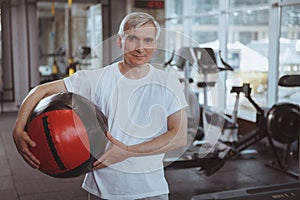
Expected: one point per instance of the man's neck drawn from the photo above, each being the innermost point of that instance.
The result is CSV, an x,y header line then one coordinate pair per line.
x,y
133,72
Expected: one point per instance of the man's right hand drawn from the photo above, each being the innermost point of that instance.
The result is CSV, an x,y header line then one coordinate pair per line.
x,y
21,137
23,144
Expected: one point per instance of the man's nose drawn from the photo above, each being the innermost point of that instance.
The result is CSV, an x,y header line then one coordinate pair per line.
x,y
140,45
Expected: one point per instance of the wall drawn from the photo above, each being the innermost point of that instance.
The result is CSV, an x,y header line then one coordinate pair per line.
x,y
22,47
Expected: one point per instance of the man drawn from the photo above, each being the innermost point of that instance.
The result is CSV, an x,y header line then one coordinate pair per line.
x,y
146,115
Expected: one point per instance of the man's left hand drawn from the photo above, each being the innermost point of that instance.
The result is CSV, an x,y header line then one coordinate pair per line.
x,y
116,152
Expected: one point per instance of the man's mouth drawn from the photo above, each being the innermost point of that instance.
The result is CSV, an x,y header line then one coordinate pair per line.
x,y
138,55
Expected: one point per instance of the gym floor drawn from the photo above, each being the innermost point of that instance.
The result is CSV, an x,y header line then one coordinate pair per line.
x,y
19,182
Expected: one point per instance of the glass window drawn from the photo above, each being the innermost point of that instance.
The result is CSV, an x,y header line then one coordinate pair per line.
x,y
247,39
248,53
174,8
174,23
196,29
202,28
289,52
205,28
201,6
242,3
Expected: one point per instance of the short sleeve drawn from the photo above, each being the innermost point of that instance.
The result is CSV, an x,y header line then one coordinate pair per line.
x,y
80,83
176,98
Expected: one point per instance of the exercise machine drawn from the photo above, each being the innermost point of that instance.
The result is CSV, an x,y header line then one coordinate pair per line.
x,y
289,191
278,116
280,123
193,61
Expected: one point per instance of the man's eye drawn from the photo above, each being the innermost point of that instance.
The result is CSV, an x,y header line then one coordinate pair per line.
x,y
148,40
131,38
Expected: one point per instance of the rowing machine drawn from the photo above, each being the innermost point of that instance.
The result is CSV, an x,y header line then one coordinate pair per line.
x,y
283,127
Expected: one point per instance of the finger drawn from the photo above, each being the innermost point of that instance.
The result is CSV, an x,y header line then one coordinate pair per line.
x,y
101,159
97,162
107,133
114,141
29,161
103,164
31,157
26,153
29,141
99,166
110,137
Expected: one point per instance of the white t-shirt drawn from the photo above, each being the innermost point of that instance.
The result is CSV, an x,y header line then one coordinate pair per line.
x,y
137,111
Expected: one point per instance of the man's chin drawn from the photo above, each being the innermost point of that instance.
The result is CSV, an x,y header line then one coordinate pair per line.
x,y
139,62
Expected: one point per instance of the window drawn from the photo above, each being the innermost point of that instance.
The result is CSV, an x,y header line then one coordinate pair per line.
x,y
248,28
248,44
246,3
289,52
243,28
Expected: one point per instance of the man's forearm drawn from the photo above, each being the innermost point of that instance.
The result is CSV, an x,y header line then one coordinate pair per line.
x,y
33,97
174,138
161,144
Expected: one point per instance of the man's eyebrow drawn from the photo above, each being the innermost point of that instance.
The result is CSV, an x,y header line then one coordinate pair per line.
x,y
132,36
149,39
145,38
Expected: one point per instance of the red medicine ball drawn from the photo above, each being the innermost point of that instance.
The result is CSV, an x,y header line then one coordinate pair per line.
x,y
69,132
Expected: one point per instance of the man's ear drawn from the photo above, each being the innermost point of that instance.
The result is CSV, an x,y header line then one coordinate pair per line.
x,y
119,42
155,47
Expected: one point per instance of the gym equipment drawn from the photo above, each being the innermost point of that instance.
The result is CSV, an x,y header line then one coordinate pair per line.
x,y
289,191
215,160
281,122
70,133
51,71
207,64
203,61
212,125
290,80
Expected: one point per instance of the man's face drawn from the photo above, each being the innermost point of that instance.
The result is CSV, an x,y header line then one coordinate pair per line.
x,y
139,45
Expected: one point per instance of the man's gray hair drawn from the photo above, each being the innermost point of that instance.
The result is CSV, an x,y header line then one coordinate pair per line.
x,y
135,20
